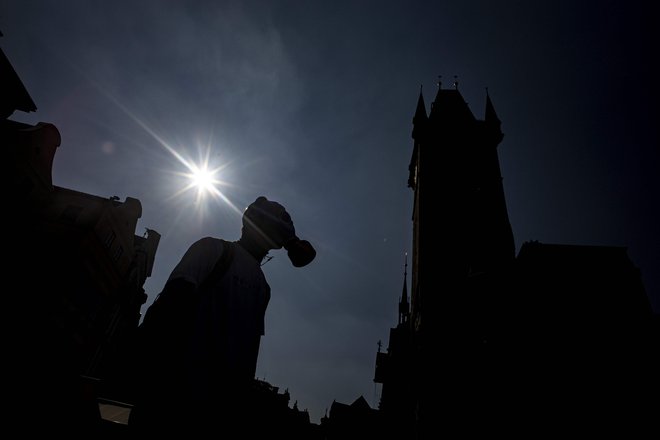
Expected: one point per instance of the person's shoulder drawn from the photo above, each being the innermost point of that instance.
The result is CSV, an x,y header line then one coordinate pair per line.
x,y
208,245
207,241
199,259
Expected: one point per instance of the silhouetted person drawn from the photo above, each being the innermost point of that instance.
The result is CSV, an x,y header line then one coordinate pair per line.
x,y
200,338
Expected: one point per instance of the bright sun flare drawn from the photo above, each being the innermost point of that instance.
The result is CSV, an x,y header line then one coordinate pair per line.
x,y
199,176
203,179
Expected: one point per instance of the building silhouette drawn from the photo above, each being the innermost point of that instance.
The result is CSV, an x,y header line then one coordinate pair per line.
x,y
558,336
355,421
396,397
76,269
272,416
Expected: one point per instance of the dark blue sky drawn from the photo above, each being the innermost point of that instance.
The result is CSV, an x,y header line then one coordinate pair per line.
x,y
311,104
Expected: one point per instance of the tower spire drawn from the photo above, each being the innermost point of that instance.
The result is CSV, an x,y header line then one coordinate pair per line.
x,y
404,308
420,111
420,118
491,116
492,121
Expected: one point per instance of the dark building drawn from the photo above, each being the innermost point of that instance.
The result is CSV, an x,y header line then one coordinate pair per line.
x,y
76,270
396,396
270,416
557,336
355,421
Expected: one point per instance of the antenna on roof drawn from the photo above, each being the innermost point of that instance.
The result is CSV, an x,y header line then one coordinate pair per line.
x,y
456,82
439,81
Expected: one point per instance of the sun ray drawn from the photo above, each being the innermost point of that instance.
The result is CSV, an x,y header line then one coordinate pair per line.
x,y
200,175
181,191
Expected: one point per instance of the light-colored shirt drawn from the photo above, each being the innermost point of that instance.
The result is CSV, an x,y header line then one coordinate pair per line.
x,y
230,318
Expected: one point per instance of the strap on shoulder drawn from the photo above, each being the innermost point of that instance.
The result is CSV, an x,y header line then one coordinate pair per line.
x,y
220,267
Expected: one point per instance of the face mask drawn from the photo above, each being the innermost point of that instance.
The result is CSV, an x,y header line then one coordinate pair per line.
x,y
300,252
271,221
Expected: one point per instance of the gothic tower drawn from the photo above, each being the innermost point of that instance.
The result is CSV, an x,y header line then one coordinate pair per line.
x,y
461,227
462,246
493,341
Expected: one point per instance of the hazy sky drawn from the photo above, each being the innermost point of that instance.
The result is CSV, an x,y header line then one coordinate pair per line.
x,y
311,104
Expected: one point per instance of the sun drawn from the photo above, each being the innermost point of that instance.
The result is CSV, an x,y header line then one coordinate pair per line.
x,y
203,179
199,174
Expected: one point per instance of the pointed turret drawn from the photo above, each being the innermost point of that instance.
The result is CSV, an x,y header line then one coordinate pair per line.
x,y
420,118
404,307
491,115
420,122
